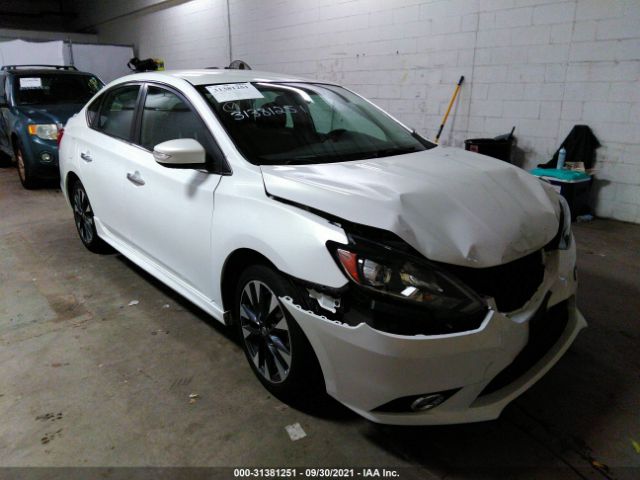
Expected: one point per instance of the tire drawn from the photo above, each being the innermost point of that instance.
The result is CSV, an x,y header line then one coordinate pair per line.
x,y
24,169
276,348
83,217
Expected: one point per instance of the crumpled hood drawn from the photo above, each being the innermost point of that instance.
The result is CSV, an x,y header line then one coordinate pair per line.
x,y
451,205
49,113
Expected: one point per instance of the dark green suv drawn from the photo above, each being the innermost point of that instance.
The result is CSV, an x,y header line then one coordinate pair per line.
x,y
35,103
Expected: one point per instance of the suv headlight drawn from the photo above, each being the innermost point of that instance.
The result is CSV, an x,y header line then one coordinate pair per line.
x,y
405,279
565,225
48,131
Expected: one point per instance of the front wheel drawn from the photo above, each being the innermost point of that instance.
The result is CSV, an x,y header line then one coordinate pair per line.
x,y
83,216
24,169
277,350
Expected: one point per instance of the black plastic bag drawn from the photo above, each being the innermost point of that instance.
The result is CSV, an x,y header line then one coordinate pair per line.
x,y
580,144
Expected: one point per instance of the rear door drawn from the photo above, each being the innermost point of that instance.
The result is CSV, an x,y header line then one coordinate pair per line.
x,y
103,150
169,210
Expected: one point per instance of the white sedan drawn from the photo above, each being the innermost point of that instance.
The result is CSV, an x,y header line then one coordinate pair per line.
x,y
414,283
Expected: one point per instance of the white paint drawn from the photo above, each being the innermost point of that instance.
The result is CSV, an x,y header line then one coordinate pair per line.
x,y
349,354
451,205
182,225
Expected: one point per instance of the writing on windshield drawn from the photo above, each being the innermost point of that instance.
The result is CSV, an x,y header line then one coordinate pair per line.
x,y
301,123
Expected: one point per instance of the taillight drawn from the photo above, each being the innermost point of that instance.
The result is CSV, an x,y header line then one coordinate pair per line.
x,y
60,133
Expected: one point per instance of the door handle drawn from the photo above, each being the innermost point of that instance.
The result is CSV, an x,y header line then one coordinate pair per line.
x,y
86,157
135,178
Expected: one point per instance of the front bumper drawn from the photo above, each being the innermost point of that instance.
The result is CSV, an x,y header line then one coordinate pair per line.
x,y
365,368
34,151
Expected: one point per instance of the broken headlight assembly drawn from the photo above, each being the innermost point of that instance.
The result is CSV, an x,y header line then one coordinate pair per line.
x,y
396,277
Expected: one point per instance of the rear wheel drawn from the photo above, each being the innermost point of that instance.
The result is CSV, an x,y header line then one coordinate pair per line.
x,y
24,169
83,216
277,350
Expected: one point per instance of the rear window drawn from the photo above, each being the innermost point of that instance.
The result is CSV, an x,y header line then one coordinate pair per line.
x,y
55,89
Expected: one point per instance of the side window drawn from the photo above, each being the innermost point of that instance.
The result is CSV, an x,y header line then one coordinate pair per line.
x,y
92,111
117,112
167,117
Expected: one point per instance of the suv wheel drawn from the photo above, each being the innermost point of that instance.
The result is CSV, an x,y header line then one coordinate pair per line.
x,y
277,350
83,216
24,169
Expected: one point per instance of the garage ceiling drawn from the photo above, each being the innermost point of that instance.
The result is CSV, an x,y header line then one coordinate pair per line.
x,y
38,14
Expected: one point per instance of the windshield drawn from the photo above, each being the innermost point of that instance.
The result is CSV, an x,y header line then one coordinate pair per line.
x,y
55,89
303,123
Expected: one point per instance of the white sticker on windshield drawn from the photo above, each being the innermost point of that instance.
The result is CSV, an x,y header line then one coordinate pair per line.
x,y
233,91
30,82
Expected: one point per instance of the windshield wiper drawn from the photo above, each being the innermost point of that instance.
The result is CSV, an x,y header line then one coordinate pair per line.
x,y
389,152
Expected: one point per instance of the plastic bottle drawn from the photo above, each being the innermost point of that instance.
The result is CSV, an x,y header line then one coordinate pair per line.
x,y
562,156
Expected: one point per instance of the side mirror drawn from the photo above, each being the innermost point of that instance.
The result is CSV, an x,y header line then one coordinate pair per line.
x,y
180,153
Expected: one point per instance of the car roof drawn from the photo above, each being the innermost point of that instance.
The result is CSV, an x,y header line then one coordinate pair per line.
x,y
213,76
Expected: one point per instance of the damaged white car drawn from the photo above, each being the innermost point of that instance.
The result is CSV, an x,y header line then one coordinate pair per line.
x,y
416,284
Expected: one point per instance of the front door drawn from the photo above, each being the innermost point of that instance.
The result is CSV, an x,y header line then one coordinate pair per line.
x,y
169,210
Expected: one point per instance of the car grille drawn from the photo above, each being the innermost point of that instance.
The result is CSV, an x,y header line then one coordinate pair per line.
x,y
545,328
511,284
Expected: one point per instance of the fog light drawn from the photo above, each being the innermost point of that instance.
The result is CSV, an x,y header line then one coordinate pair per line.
x,y
427,402
417,403
45,157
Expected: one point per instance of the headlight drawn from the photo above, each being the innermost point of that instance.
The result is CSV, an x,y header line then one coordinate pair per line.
x,y
405,279
48,131
565,225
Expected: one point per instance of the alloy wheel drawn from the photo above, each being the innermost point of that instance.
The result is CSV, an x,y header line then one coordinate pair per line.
x,y
83,215
265,331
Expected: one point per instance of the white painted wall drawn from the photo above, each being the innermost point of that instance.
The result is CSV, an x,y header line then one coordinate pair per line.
x,y
92,13
189,34
541,65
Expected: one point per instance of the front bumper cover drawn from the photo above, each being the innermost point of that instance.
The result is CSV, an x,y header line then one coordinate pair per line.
x,y
365,368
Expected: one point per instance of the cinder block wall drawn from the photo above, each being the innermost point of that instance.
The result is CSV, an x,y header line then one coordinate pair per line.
x,y
187,35
540,65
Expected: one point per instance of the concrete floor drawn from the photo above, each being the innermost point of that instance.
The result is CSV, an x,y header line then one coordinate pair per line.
x,y
87,380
